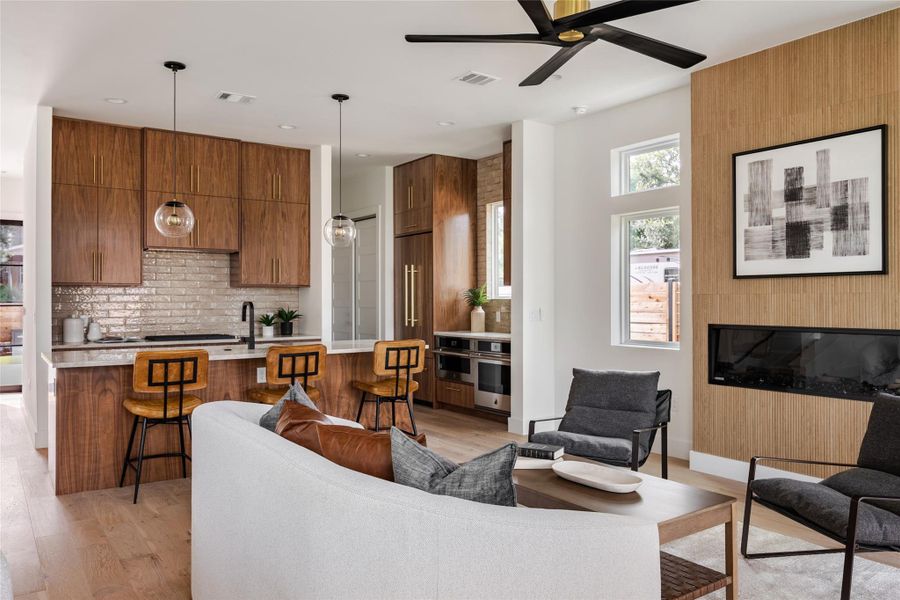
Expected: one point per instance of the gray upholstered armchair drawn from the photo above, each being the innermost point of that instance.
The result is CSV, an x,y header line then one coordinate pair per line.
x,y
611,417
858,507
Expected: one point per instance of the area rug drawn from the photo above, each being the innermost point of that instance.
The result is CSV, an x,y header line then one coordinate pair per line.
x,y
788,578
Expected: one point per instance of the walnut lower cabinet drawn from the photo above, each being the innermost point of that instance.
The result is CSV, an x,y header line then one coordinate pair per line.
x,y
95,236
215,227
274,245
455,393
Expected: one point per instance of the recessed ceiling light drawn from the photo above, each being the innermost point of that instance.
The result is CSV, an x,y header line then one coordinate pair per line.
x,y
286,126
116,100
579,110
362,155
446,123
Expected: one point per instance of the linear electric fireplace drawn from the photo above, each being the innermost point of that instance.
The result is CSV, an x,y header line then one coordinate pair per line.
x,y
841,363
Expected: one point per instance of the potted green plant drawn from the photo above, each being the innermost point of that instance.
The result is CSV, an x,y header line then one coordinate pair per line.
x,y
476,298
268,325
287,317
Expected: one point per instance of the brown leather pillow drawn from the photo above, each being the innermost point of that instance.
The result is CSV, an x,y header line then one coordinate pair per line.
x,y
362,450
297,423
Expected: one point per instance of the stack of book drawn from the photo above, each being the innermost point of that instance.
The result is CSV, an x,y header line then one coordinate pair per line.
x,y
542,451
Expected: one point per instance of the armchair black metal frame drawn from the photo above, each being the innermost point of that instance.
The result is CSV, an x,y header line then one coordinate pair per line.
x,y
851,546
663,417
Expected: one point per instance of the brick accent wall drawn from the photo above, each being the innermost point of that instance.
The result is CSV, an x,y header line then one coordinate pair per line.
x,y
490,189
182,292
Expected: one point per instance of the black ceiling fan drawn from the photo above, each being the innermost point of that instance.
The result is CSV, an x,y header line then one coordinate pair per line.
x,y
575,26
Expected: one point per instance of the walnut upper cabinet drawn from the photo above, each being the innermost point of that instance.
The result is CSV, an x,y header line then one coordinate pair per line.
x,y
215,224
206,165
414,188
275,173
274,245
96,154
95,236
507,212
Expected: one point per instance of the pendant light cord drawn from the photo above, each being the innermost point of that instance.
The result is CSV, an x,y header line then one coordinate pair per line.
x,y
340,157
174,133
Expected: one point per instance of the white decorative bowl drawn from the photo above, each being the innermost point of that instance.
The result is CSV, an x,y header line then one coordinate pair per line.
x,y
598,476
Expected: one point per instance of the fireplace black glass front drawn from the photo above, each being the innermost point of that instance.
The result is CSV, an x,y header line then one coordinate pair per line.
x,y
840,363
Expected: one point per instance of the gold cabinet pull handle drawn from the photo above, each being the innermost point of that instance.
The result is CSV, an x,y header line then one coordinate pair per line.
x,y
101,173
93,266
409,195
278,269
100,277
198,179
93,168
412,294
406,295
280,196
273,187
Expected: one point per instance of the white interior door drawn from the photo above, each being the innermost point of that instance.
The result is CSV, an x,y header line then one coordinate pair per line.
x,y
354,284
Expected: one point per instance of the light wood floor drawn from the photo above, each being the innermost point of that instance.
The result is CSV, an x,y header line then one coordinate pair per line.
x,y
99,545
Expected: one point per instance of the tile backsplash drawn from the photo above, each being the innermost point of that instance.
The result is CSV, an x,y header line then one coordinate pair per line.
x,y
182,292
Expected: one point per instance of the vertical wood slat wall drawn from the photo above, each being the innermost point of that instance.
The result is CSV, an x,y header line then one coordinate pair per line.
x,y
838,80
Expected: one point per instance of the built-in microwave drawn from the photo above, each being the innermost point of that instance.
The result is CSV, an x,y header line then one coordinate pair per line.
x,y
453,356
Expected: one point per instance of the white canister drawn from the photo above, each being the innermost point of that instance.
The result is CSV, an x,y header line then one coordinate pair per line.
x,y
73,330
94,332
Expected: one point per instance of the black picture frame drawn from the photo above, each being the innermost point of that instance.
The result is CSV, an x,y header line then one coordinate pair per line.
x,y
884,218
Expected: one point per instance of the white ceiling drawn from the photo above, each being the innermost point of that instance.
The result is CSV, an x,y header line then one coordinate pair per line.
x,y
294,55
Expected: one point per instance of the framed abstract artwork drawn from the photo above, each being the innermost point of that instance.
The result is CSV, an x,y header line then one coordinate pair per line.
x,y
814,207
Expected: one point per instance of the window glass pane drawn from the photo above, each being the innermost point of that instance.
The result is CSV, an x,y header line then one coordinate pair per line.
x,y
10,262
652,169
495,257
654,289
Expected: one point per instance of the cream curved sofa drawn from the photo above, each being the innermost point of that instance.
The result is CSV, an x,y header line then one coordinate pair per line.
x,y
272,520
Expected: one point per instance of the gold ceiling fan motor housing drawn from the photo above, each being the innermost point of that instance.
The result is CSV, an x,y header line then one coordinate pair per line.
x,y
564,8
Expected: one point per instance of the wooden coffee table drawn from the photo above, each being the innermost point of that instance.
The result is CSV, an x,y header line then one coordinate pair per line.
x,y
679,510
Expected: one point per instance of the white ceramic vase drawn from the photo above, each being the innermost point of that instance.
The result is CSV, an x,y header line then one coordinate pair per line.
x,y
268,331
477,320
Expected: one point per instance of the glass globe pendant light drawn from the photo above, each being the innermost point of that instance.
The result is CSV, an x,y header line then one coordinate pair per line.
x,y
174,218
340,230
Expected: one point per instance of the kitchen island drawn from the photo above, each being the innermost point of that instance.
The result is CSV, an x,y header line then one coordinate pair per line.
x,y
88,426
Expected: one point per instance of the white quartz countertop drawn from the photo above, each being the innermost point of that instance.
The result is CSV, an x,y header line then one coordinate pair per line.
x,y
278,339
111,357
484,335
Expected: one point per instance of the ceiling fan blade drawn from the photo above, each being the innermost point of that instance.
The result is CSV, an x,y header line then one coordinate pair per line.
x,y
674,55
537,12
556,61
616,10
510,38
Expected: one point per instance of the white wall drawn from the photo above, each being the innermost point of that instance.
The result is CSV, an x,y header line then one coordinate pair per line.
x,y
533,309
315,301
12,198
368,191
584,248
36,263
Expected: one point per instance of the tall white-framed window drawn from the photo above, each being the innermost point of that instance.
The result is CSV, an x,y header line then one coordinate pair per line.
x,y
650,278
494,249
647,165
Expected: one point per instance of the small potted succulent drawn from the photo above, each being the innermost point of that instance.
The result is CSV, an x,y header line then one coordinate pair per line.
x,y
268,325
286,317
477,298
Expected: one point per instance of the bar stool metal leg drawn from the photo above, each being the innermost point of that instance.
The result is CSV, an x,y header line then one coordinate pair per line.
x,y
128,451
394,412
377,412
183,453
412,416
140,459
362,402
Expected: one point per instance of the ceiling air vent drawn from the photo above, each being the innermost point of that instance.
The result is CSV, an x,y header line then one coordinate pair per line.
x,y
476,78
235,98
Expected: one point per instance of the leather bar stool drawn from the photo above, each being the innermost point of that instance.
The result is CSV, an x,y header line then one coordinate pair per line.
x,y
285,365
171,374
395,362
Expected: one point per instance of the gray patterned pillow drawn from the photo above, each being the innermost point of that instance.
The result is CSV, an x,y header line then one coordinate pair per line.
x,y
295,393
486,479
